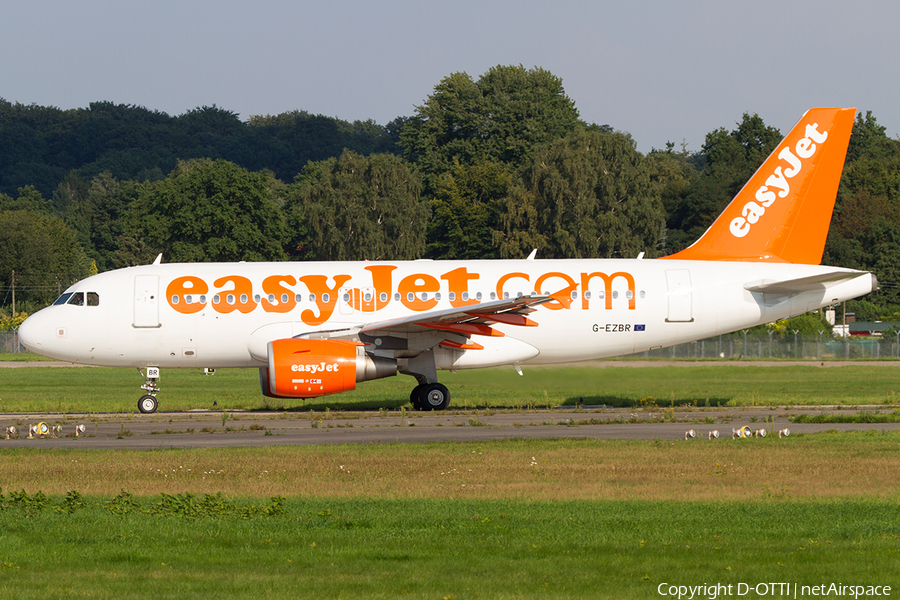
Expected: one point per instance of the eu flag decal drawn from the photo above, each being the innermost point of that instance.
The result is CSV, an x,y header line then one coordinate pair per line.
x,y
640,327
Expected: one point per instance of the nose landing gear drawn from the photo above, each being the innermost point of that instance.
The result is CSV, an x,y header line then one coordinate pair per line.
x,y
148,403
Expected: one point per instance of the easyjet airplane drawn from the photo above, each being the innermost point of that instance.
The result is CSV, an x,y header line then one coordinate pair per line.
x,y
318,328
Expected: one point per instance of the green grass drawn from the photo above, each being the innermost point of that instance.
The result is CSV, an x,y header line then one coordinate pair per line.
x,y
23,357
364,548
508,519
863,416
81,389
338,538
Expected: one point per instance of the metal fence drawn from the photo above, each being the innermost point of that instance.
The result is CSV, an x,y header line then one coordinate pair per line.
x,y
9,342
731,346
797,347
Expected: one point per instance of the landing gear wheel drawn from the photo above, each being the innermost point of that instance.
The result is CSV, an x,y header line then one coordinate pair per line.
x,y
415,399
433,396
148,404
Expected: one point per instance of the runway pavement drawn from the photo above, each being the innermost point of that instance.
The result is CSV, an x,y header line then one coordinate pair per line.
x,y
208,429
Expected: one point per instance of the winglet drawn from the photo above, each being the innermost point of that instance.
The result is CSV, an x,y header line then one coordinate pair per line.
x,y
783,213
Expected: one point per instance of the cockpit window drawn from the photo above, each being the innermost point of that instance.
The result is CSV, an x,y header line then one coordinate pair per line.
x,y
77,299
63,299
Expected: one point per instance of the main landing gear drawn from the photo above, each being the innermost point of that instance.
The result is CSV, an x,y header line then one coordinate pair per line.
x,y
430,396
148,403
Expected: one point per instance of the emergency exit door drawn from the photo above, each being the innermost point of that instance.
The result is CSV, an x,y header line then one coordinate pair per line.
x,y
146,301
679,296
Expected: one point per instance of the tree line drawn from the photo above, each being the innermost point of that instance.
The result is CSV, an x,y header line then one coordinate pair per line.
x,y
491,167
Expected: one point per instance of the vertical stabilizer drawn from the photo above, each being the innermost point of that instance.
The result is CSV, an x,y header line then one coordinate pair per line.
x,y
783,213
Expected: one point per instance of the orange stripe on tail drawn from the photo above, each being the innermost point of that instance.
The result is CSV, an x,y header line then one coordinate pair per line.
x,y
783,213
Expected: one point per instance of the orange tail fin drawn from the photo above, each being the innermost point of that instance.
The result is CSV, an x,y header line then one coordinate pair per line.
x,y
783,213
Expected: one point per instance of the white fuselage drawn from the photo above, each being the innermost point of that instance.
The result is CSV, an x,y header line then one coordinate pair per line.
x,y
224,314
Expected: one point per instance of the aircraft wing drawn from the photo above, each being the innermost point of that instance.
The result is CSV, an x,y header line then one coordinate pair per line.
x,y
452,327
474,319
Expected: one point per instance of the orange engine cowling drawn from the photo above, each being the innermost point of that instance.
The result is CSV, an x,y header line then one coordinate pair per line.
x,y
304,368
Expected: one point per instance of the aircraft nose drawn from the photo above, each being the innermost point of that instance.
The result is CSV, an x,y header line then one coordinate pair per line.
x,y
30,334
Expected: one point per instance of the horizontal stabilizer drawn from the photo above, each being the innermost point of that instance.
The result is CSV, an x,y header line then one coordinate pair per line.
x,y
804,284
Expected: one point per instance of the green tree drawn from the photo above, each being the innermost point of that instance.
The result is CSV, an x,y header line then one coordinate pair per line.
x,y
810,324
44,254
12,322
729,159
882,243
207,211
865,228
673,174
499,118
285,143
29,199
358,208
466,211
589,195
95,210
869,140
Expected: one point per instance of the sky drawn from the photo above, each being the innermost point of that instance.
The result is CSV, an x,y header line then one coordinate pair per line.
x,y
661,70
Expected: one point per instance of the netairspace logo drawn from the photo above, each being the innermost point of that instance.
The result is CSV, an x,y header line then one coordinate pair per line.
x,y
769,589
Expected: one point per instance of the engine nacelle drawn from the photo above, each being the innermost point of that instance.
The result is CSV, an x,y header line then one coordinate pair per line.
x,y
304,368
